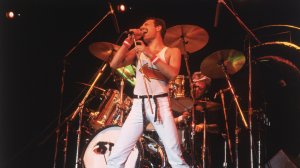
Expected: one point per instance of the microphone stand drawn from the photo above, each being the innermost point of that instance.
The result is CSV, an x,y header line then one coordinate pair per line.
x,y
144,76
79,111
63,84
250,109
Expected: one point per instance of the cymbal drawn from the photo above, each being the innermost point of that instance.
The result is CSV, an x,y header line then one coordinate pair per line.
x,y
181,104
233,61
202,105
103,50
128,72
188,38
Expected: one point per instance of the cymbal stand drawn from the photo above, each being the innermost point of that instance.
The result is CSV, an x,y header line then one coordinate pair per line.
x,y
121,102
226,125
233,94
236,133
193,132
204,141
250,109
79,111
225,164
63,80
66,144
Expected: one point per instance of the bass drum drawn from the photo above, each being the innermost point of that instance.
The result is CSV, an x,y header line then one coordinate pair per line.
x,y
99,148
147,153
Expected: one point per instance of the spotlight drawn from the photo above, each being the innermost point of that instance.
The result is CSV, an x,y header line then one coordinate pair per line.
x,y
121,8
10,15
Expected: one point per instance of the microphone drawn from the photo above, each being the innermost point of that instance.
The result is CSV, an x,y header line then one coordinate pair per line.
x,y
114,18
137,32
221,91
217,13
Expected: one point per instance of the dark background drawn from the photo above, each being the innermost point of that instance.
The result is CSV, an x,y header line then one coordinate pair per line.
x,y
34,45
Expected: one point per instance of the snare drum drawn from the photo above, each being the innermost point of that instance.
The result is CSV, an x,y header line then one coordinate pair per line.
x,y
109,111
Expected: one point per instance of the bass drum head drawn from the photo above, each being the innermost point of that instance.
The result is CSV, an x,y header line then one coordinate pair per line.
x,y
97,151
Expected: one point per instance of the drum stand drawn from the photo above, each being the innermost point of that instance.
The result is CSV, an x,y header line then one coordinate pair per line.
x,y
193,132
250,109
204,141
227,131
237,106
79,112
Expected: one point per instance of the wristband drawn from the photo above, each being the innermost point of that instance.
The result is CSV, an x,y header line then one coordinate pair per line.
x,y
126,43
154,60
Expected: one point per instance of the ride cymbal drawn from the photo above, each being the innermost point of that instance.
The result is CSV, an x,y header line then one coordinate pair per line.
x,y
188,38
103,50
233,61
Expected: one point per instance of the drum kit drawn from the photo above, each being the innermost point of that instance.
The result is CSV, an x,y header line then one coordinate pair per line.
x,y
103,125
105,122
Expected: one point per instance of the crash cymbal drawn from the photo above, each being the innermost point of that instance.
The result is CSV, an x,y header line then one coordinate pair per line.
x,y
188,38
202,105
233,61
103,50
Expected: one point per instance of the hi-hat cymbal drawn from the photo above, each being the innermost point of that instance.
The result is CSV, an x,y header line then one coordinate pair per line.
x,y
202,105
103,50
233,61
188,38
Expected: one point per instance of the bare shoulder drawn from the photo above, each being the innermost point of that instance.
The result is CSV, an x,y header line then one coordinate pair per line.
x,y
173,50
173,55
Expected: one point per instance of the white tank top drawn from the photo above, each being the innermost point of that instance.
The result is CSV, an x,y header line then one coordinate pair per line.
x,y
155,81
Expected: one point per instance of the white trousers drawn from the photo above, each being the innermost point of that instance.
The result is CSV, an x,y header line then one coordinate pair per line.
x,y
133,128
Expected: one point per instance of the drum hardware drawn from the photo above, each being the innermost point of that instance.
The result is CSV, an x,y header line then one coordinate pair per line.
x,y
105,51
110,111
225,162
221,64
250,35
62,85
211,128
79,109
208,106
188,38
179,100
218,65
97,150
147,152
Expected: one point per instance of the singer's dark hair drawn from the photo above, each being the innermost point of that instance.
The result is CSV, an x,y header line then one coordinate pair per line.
x,y
159,22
